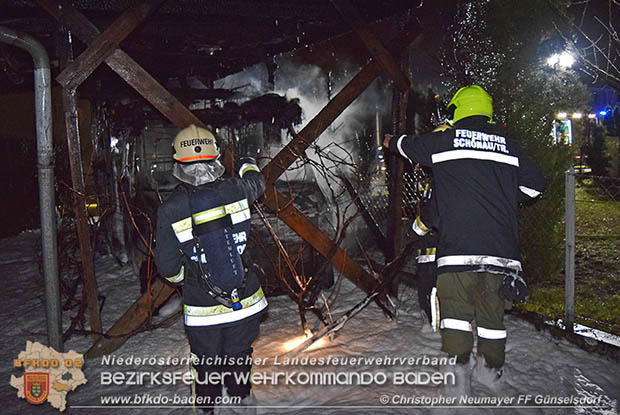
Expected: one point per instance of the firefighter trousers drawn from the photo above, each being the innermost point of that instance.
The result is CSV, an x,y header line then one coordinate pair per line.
x,y
226,350
467,297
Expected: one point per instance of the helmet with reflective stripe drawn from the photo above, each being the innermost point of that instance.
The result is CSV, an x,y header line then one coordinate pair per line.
x,y
469,101
195,144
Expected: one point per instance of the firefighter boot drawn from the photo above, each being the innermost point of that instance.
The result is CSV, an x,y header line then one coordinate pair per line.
x,y
457,378
491,377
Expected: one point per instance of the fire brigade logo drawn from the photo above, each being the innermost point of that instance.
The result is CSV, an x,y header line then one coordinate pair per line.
x,y
36,387
48,376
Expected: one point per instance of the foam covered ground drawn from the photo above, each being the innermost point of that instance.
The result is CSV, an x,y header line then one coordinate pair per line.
x,y
538,365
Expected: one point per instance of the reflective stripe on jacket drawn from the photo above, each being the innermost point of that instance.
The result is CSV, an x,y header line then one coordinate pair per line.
x,y
219,314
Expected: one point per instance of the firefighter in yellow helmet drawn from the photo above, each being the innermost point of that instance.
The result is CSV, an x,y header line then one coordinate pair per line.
x,y
471,101
480,175
202,231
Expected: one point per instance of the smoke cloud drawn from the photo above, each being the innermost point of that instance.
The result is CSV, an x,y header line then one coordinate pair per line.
x,y
338,146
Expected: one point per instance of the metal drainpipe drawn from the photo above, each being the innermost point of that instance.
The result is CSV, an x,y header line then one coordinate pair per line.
x,y
45,164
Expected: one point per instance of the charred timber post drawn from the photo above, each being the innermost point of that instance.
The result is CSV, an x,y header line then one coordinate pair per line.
x,y
79,206
376,48
395,224
124,65
331,111
395,209
105,44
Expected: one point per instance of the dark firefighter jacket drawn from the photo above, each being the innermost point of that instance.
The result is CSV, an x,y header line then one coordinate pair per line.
x,y
220,213
479,176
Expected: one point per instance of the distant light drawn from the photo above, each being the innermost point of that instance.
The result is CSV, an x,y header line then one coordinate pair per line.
x,y
553,60
603,113
562,115
577,115
591,116
564,60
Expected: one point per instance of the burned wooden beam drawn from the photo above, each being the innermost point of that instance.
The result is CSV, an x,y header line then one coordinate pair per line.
x,y
376,48
151,90
124,65
395,225
331,111
79,206
105,44
395,209
133,319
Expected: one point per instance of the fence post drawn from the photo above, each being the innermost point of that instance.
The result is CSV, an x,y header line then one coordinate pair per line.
x,y
569,273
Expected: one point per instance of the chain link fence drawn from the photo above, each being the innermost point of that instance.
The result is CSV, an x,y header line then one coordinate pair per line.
x,y
597,252
376,197
570,247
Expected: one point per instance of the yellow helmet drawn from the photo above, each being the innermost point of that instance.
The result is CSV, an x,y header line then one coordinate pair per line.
x,y
195,144
471,100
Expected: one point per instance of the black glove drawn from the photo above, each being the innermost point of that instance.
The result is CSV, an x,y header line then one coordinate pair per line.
x,y
246,159
246,163
514,289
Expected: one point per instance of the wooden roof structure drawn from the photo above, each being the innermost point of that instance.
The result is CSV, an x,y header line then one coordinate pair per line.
x,y
201,38
145,45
